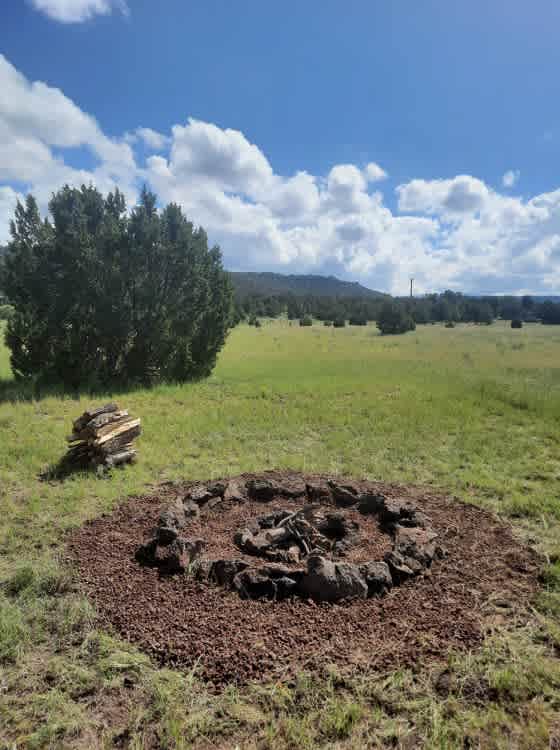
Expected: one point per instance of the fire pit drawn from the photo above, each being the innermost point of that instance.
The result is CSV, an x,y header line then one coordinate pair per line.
x,y
183,604
301,549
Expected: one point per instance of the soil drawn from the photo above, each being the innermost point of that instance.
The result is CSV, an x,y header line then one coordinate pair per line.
x,y
185,623
218,530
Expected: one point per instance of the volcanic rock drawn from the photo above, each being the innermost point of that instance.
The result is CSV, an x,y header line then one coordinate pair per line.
x,y
394,511
234,492
224,571
417,543
377,576
318,491
200,494
254,584
191,509
265,489
344,494
371,502
328,581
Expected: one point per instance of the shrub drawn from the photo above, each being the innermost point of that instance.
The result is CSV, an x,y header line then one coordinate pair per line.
x,y
516,323
339,323
394,318
358,321
306,321
6,312
449,324
106,296
327,322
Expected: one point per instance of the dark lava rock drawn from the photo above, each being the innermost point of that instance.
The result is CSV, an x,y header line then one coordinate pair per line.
x,y
214,502
172,558
165,535
377,576
344,494
318,491
202,569
413,551
402,567
173,517
145,554
267,489
263,489
328,581
217,488
395,511
417,543
234,492
415,519
285,587
191,509
224,571
254,584
371,503
200,494
338,526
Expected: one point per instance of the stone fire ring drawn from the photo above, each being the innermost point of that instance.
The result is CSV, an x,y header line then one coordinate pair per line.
x,y
297,552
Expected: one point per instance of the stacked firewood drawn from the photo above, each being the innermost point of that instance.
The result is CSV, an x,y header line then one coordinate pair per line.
x,y
102,437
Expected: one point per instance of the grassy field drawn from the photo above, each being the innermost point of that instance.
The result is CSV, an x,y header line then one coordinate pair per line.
x,y
473,410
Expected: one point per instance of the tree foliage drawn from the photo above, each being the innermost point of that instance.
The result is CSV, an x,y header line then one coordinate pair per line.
x,y
550,313
102,295
394,318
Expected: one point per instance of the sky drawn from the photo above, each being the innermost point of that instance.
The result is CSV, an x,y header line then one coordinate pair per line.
x,y
375,140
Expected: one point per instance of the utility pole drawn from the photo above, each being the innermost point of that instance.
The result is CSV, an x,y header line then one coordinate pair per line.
x,y
411,283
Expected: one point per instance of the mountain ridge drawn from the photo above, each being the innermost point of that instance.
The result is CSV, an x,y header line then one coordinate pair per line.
x,y
268,284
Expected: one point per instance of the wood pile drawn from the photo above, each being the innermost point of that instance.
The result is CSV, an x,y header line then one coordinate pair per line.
x,y
102,437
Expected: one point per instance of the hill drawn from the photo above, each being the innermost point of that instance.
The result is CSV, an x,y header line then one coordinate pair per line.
x,y
269,284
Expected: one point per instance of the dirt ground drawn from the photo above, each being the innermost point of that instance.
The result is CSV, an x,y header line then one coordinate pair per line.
x,y
184,623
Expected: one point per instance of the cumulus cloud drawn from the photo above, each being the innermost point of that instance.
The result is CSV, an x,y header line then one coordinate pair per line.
x,y
36,122
510,178
448,233
78,11
151,138
461,195
374,173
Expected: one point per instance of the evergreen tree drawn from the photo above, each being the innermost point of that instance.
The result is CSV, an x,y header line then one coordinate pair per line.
x,y
394,318
101,296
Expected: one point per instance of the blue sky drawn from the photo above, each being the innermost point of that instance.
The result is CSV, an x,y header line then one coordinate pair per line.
x,y
374,140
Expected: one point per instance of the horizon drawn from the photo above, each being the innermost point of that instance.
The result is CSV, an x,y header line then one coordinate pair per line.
x,y
369,145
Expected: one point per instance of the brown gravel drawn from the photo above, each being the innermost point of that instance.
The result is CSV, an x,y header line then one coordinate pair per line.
x,y
185,623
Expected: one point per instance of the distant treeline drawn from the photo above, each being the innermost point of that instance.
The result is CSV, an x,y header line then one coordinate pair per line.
x,y
446,307
329,299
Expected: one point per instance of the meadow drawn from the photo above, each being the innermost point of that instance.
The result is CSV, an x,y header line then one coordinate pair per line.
x,y
474,411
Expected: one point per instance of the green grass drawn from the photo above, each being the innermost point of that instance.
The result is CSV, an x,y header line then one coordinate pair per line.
x,y
473,410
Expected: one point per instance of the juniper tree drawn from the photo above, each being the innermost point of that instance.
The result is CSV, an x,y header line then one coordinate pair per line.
x,y
102,295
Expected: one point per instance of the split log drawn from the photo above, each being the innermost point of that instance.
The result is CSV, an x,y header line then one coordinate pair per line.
x,y
103,437
87,416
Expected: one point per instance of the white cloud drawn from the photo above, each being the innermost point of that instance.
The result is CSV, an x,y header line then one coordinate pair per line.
x,y
35,119
461,195
374,173
151,138
78,11
448,233
510,178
